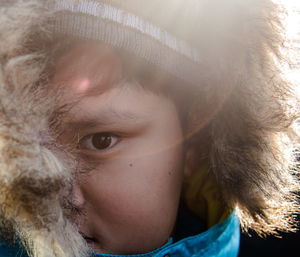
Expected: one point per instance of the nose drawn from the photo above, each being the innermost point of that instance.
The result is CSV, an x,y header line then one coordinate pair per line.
x,y
77,196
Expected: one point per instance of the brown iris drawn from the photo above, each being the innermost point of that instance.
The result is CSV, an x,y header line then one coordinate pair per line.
x,y
101,140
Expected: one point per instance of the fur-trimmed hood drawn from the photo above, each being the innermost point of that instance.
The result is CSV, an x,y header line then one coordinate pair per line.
x,y
250,152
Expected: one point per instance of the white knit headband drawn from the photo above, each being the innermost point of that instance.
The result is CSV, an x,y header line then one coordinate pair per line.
x,y
124,18
95,20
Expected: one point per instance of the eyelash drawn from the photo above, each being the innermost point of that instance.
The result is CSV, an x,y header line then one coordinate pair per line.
x,y
89,142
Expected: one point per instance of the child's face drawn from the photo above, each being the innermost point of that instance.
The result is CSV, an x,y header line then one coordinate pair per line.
x,y
132,139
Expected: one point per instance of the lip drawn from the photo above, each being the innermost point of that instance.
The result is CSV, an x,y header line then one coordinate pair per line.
x,y
89,240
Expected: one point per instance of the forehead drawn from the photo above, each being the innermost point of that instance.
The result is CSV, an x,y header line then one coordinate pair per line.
x,y
93,67
94,77
88,67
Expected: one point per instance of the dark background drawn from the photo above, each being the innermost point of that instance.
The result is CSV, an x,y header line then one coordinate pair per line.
x,y
288,245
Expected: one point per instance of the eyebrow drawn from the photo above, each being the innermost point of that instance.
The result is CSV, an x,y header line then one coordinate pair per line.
x,y
107,117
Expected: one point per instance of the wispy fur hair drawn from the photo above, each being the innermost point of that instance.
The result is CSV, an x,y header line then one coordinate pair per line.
x,y
35,176
248,143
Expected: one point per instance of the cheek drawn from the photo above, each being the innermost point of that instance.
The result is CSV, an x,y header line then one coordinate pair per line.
x,y
138,195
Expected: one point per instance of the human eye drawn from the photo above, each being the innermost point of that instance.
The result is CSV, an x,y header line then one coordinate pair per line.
x,y
98,141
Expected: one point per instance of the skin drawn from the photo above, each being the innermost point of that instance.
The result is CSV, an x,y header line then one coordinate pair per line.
x,y
128,200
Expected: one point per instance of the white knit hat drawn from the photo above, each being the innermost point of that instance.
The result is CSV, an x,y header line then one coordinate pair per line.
x,y
140,27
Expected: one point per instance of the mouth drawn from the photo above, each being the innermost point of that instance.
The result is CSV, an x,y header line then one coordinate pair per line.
x,y
91,241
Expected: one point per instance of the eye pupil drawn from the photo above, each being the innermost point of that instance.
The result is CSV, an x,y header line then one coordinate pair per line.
x,y
101,141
